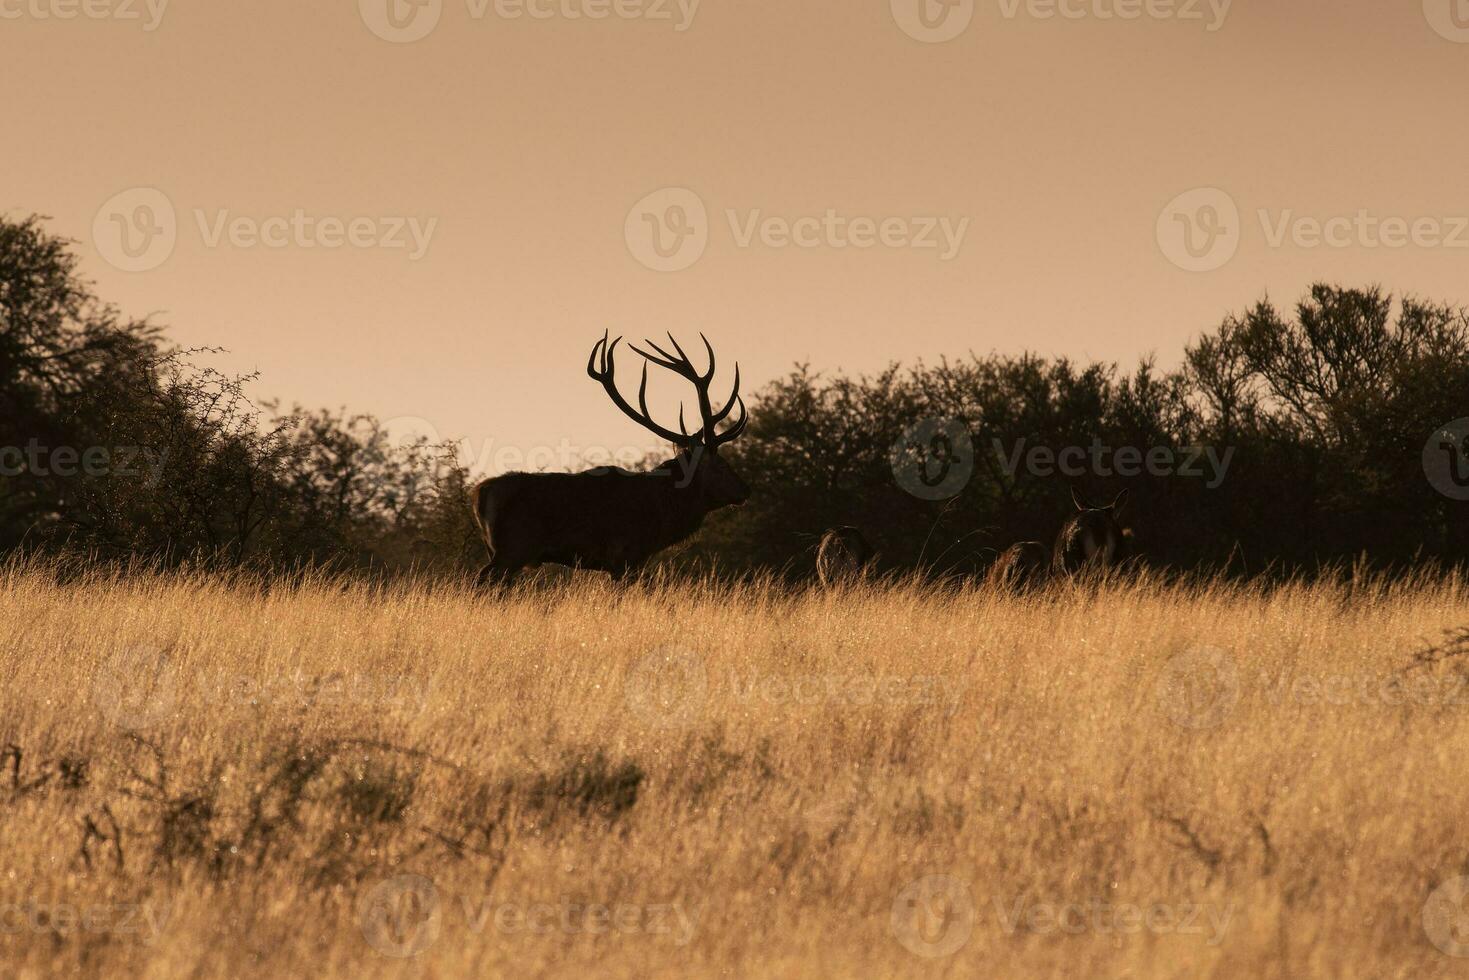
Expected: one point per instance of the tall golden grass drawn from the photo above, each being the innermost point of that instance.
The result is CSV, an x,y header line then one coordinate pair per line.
x,y
206,777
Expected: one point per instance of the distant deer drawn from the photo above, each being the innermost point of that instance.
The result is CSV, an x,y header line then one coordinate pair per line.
x,y
1092,539
1020,566
610,519
842,556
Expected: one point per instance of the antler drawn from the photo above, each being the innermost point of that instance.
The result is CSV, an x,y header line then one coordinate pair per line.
x,y
682,366
602,368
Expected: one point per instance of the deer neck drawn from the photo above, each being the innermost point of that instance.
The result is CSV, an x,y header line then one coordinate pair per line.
x,y
682,513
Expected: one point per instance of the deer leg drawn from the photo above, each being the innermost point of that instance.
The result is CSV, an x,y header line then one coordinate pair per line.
x,y
509,553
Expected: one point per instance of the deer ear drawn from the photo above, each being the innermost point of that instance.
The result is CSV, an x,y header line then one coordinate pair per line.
x,y
1119,503
1076,499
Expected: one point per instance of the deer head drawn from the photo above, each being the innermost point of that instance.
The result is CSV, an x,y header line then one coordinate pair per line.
x,y
1101,536
710,478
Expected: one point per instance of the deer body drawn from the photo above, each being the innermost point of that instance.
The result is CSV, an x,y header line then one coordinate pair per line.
x,y
1092,539
1020,566
613,520
530,518
842,556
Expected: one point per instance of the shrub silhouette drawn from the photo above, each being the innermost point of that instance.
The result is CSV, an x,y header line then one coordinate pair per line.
x,y
1323,412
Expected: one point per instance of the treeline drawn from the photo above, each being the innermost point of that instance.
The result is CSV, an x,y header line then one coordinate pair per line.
x,y
117,446
1286,441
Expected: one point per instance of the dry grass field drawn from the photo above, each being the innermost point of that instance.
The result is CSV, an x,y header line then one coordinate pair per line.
x,y
211,779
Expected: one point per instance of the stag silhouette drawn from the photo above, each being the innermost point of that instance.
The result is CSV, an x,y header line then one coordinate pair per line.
x,y
609,519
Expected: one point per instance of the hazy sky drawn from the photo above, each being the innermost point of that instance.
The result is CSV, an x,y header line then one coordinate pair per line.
x,y
1038,154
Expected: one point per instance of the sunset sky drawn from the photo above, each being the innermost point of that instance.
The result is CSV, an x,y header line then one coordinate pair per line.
x,y
1039,153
